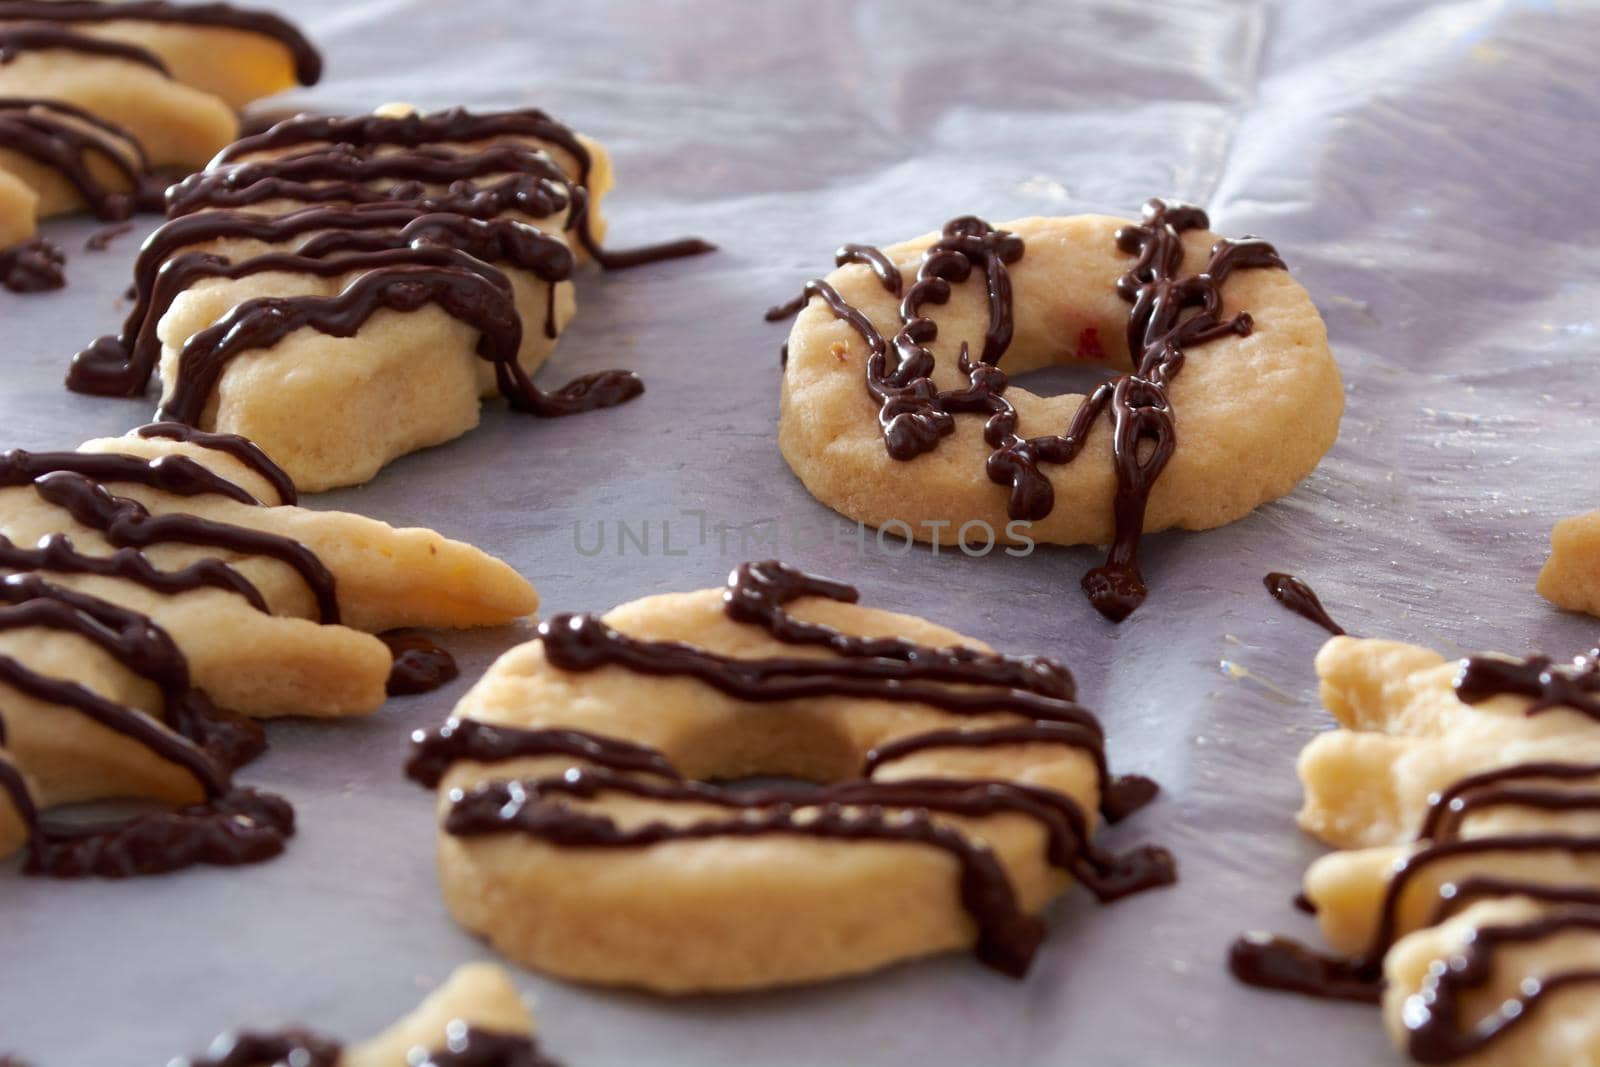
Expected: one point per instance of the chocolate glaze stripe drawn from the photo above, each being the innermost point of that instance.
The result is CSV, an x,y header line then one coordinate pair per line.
x,y
344,173
1007,937
298,1048
915,415
19,40
1278,963
434,752
1120,796
1301,599
471,291
58,479
307,61
55,552
874,668
64,138
122,365
457,126
419,666
240,448
1575,686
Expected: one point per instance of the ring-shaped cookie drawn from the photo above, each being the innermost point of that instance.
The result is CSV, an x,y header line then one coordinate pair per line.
x,y
897,411
958,789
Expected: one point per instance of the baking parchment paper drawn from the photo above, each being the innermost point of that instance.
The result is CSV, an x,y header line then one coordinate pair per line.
x,y
1427,171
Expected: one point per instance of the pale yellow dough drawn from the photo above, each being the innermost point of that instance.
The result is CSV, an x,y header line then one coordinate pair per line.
x,y
1571,578
1254,414
258,664
1405,737
333,411
725,914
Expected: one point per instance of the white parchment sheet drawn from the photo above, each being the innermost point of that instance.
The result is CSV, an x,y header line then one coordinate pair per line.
x,y
1427,171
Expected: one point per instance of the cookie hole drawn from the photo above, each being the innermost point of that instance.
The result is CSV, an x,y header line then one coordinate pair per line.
x,y
1065,380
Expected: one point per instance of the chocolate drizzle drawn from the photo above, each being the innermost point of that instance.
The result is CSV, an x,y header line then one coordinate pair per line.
x,y
1301,599
307,62
1171,313
1435,1028
231,826
19,40
458,125
471,1046
1574,685
293,1048
959,680
420,666
32,266
66,139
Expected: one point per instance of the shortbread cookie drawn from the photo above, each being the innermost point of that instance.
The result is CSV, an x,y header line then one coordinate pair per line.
x,y
1466,796
1571,577
344,290
170,574
894,348
239,54
957,793
476,1019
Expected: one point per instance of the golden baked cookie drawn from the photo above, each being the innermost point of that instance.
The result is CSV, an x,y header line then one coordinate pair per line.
x,y
239,54
1571,577
957,792
147,582
476,1019
1465,796
344,290
898,411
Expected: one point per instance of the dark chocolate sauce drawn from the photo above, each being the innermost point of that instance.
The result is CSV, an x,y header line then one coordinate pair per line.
x,y
1301,599
1171,313
1574,685
307,61
72,481
458,125
293,1048
19,40
1436,1031
433,752
242,449
102,239
472,1046
32,266
66,138
420,666
881,668
122,365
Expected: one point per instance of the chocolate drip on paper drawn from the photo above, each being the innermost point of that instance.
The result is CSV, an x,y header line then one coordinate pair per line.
x,y
1301,599
1436,1030
959,680
307,61
458,125
33,266
296,1048
1171,313
420,666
